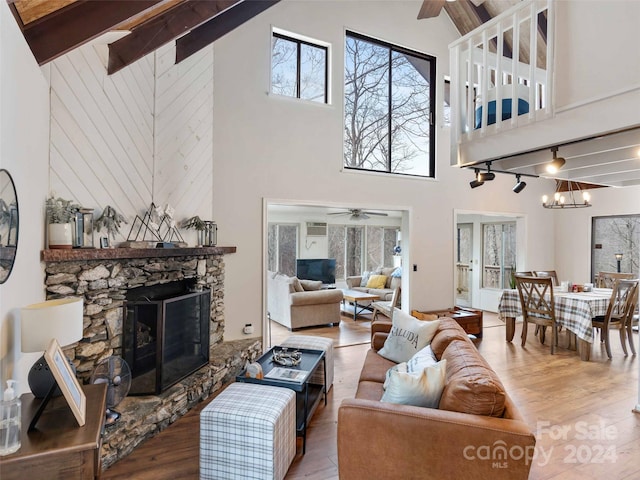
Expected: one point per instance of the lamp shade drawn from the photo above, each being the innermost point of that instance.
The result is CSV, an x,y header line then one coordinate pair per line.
x,y
60,319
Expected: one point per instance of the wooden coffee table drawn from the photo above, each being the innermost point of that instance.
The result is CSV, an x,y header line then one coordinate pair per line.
x,y
355,296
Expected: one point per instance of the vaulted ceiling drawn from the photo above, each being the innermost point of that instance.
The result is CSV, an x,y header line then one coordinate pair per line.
x,y
54,27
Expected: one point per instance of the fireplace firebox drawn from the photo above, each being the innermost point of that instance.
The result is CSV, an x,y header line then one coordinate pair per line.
x,y
165,334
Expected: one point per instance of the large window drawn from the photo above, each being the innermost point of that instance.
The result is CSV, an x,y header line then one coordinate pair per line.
x,y
389,108
498,254
298,68
360,248
612,235
282,248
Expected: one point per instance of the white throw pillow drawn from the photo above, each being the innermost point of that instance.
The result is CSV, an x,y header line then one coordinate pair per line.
x,y
421,360
401,367
422,389
408,335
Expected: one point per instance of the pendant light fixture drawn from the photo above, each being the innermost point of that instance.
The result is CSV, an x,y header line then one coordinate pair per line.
x,y
573,190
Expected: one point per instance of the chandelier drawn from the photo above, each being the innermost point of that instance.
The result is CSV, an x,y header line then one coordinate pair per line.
x,y
573,193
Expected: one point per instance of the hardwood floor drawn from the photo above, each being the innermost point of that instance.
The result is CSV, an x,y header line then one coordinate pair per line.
x,y
581,411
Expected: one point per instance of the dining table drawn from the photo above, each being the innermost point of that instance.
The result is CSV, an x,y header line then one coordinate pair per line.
x,y
574,311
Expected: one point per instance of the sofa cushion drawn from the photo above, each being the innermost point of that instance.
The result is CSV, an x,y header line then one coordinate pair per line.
x,y
395,282
311,285
297,286
408,335
421,389
472,386
375,367
365,278
376,281
370,391
448,331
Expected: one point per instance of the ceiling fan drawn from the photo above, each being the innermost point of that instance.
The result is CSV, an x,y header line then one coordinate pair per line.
x,y
431,8
358,214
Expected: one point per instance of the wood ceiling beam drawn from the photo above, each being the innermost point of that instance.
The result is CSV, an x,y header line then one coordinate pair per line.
x,y
218,26
76,24
162,29
484,16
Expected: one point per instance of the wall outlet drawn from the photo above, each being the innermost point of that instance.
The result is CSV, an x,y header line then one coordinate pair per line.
x,y
248,329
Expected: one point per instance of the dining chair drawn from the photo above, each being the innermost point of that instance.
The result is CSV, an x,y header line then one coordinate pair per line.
x,y
548,273
632,317
536,300
386,307
620,302
607,279
527,273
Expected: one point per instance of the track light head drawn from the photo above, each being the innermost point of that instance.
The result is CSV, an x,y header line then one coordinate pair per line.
x,y
486,176
557,163
519,186
477,182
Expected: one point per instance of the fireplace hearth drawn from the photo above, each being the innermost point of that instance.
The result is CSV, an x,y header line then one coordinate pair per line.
x,y
165,334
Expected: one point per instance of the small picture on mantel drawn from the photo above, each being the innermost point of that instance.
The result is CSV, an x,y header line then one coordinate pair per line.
x,y
104,242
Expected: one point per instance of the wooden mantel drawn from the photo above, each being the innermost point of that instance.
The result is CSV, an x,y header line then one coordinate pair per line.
x,y
74,254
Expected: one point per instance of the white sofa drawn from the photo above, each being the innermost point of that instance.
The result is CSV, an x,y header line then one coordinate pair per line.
x,y
301,303
385,294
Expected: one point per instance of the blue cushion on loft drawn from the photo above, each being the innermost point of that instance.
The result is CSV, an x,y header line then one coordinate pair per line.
x,y
523,107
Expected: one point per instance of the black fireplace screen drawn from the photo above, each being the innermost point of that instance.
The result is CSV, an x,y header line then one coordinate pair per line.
x,y
166,336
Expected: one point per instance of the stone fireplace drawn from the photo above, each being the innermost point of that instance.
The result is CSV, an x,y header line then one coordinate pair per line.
x,y
104,278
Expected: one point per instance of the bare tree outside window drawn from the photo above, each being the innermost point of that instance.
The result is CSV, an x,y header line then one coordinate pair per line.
x,y
282,248
389,96
298,69
616,234
499,254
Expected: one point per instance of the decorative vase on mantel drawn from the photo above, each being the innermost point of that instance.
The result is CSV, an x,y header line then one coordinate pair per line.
x,y
60,235
60,214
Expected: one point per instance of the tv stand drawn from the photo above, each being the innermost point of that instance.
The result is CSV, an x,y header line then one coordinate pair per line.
x,y
328,286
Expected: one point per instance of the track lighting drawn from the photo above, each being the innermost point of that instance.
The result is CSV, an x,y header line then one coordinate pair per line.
x,y
557,163
486,176
482,176
477,182
519,186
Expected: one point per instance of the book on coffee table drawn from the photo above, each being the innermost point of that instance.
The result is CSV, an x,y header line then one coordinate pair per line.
x,y
291,374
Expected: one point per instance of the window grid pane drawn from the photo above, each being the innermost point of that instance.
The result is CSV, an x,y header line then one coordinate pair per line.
x,y
388,108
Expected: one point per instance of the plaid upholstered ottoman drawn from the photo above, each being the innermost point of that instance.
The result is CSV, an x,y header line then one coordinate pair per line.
x,y
248,432
315,343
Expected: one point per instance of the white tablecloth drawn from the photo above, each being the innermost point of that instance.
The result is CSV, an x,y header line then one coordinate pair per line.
x,y
573,310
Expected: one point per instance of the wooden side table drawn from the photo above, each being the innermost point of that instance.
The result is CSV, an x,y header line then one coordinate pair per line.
x,y
58,447
468,318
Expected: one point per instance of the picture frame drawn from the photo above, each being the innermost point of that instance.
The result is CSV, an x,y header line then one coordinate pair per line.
x,y
104,242
67,381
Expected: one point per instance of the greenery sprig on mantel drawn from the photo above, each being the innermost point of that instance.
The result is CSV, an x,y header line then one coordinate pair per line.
x,y
194,222
60,210
111,220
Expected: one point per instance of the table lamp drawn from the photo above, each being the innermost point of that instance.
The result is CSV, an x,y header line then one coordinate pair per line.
x,y
60,319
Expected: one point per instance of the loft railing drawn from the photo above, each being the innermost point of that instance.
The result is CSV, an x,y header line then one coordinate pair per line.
x,y
503,66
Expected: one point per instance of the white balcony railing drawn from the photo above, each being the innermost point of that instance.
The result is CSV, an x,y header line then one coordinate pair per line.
x,y
503,66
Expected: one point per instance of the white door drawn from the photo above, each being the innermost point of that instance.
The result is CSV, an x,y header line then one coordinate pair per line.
x,y
463,264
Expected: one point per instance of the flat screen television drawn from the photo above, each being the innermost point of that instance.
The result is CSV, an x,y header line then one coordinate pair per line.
x,y
323,269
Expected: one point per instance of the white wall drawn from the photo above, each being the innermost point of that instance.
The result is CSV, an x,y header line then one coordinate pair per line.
x,y
140,135
276,148
24,152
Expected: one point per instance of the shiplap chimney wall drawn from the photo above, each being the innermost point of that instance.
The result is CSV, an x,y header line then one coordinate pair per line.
x,y
143,134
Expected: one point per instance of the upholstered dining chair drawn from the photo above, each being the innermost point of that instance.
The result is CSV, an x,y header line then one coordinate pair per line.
x,y
548,273
620,306
536,300
386,308
607,279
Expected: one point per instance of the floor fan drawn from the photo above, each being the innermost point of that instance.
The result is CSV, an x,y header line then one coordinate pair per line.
x,y
115,372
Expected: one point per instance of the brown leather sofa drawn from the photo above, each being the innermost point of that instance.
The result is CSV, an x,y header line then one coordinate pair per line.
x,y
476,433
